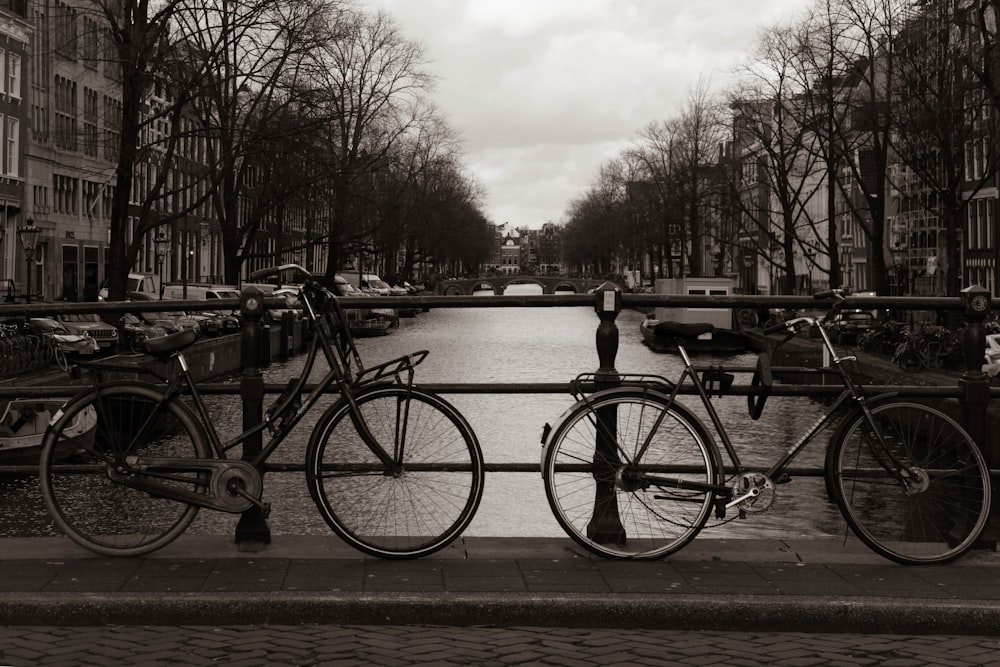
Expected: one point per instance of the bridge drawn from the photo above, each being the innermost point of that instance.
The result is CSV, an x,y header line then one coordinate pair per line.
x,y
549,284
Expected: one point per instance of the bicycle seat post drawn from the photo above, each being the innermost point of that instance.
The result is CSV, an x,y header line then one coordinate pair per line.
x,y
252,526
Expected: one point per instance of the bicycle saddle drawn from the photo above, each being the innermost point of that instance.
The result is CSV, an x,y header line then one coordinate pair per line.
x,y
682,329
164,346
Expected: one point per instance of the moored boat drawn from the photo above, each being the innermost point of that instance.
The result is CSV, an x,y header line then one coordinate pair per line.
x,y
23,425
714,341
370,327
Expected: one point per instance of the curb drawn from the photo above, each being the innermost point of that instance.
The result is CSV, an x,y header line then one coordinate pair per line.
x,y
746,613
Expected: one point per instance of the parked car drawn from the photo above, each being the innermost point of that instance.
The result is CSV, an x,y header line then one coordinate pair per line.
x,y
91,324
136,331
69,343
172,322
847,326
292,305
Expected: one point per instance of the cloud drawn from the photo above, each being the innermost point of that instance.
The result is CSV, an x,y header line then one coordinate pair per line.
x,y
544,91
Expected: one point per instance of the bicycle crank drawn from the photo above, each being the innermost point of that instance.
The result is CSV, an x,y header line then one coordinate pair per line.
x,y
224,485
753,493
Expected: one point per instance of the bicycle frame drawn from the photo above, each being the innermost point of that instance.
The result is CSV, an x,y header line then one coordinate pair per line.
x,y
851,393
275,419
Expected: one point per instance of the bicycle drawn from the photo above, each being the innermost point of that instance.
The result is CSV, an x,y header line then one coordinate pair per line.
x,y
395,470
928,348
631,472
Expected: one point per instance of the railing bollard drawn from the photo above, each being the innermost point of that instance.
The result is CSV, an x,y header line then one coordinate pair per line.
x,y
605,523
252,526
975,389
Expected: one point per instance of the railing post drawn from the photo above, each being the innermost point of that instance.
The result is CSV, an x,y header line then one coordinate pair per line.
x,y
605,523
974,386
252,526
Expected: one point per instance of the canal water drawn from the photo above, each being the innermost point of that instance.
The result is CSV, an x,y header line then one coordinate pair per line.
x,y
522,345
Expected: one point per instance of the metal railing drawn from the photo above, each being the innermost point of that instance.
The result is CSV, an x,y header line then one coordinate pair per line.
x,y
972,390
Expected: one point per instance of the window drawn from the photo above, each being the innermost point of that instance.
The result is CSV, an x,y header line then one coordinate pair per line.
x,y
13,75
112,127
90,116
65,190
13,166
91,42
65,113
3,65
65,30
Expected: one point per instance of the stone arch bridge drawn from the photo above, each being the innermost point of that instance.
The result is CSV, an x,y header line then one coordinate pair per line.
x,y
549,284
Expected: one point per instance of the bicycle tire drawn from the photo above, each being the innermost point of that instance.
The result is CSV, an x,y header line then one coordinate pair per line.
x,y
635,520
935,521
909,361
90,507
395,516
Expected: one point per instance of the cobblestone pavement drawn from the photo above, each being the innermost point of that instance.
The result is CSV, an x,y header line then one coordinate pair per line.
x,y
398,646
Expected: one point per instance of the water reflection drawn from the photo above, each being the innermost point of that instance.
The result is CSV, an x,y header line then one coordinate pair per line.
x,y
537,345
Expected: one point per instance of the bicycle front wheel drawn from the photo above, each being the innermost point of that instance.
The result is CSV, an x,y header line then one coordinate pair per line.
x,y
406,514
85,467
607,469
923,496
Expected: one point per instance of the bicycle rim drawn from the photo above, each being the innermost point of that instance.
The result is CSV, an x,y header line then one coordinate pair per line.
x,y
406,515
946,507
94,436
590,493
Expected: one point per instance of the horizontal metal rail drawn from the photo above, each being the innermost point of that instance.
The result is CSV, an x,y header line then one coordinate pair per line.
x,y
527,388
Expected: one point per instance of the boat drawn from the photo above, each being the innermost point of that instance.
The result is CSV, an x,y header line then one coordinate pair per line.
x,y
715,341
370,327
23,425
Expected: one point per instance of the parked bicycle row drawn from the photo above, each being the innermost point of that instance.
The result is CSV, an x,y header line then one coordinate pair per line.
x,y
913,347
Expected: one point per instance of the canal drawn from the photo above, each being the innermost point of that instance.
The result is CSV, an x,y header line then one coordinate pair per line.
x,y
504,345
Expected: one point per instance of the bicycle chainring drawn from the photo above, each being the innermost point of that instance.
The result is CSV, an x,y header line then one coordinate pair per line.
x,y
762,488
227,478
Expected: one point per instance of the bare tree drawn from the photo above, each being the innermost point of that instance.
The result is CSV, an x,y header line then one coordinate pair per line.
x,y
258,65
373,87
944,124
140,40
774,152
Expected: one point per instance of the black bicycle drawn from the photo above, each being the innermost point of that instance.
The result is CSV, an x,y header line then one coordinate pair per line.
x,y
395,470
631,472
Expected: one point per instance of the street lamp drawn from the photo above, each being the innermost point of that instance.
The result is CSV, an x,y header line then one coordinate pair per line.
x,y
161,243
29,239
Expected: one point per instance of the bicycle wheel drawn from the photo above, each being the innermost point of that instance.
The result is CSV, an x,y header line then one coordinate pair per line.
x,y
934,517
406,515
595,481
88,446
909,361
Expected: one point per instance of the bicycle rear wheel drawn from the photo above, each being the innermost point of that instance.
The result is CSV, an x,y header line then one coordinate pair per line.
x,y
406,515
597,486
90,443
934,517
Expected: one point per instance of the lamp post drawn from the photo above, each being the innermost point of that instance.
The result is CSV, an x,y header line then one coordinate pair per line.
x,y
161,243
29,239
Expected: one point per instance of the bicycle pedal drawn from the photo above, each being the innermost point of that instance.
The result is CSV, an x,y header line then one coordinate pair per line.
x,y
265,510
720,508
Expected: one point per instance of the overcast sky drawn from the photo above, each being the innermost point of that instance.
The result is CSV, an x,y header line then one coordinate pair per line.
x,y
545,91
